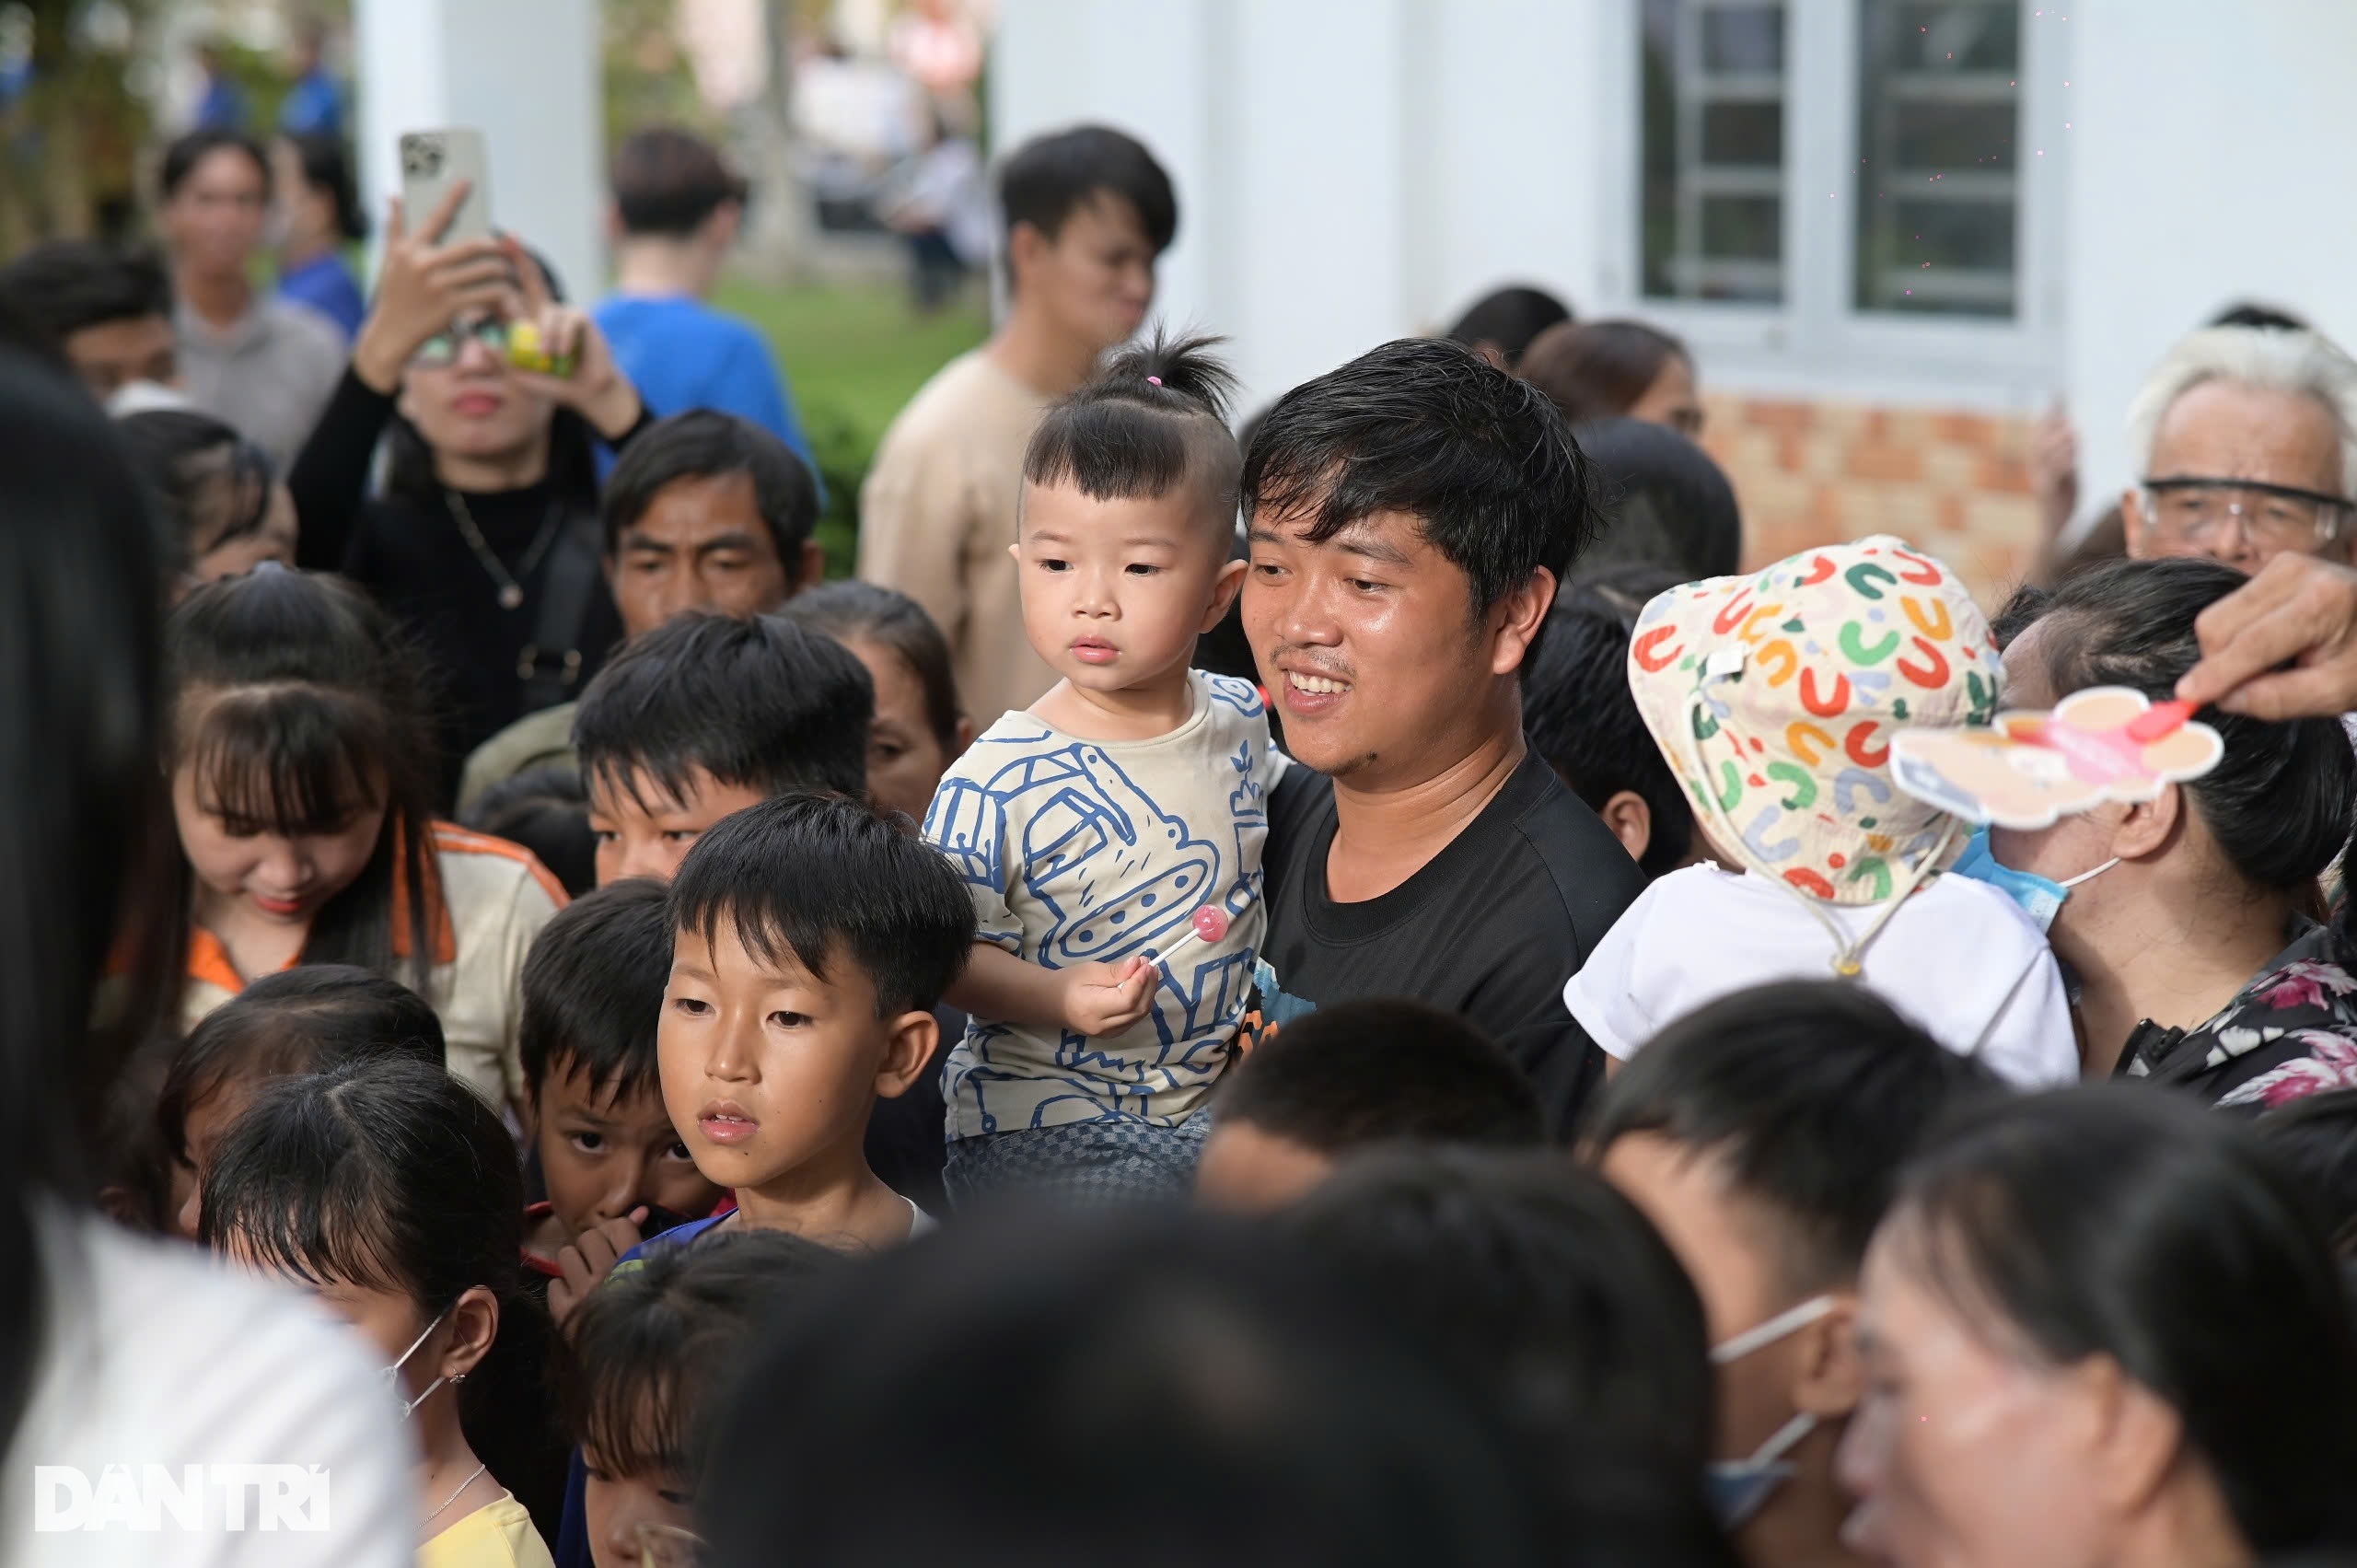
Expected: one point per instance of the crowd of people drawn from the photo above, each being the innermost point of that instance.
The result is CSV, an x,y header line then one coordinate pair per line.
x,y
1334,987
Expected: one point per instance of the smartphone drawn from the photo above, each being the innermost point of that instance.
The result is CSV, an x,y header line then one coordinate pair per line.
x,y
433,161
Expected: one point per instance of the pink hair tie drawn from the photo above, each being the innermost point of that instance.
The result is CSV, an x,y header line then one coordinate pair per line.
x,y
1154,381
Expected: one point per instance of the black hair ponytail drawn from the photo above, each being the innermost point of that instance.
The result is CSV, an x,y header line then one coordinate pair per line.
x,y
1160,368
210,483
2281,801
1154,418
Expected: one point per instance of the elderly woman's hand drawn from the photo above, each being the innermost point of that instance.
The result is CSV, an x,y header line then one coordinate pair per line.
x,y
2299,612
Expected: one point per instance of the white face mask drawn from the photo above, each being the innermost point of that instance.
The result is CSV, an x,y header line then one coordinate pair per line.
x,y
393,1373
1739,1488
145,397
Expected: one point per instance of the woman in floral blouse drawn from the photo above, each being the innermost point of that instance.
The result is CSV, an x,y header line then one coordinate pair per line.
x,y
2195,939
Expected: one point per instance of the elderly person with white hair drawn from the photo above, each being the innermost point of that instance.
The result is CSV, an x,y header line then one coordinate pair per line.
x,y
2248,437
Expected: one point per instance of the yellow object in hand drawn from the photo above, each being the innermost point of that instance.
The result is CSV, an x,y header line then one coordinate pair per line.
x,y
525,352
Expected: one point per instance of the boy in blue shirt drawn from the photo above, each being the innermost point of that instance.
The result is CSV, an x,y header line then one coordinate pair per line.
x,y
811,940
677,208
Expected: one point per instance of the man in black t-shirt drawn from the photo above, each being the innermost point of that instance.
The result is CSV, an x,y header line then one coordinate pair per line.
x,y
1411,515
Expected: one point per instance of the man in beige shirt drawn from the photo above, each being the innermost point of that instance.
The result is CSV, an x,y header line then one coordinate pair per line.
x,y
1087,212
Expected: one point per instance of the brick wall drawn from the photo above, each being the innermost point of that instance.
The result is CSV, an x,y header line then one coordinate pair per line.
x,y
1807,473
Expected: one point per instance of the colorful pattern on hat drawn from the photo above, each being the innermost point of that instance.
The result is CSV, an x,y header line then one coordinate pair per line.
x,y
1774,697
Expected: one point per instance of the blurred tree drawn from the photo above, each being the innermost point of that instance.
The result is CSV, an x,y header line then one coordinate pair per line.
x,y
647,77
778,229
70,126
650,79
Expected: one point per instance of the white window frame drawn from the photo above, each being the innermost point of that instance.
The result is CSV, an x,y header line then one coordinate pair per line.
x,y
1817,342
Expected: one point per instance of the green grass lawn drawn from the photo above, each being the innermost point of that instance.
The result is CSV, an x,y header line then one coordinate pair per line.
x,y
853,354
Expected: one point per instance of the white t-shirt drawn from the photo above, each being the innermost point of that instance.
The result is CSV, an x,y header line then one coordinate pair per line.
x,y
156,1355
1958,959
1092,851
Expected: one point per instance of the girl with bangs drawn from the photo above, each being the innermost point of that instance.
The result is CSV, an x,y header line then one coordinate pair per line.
x,y
392,1195
302,773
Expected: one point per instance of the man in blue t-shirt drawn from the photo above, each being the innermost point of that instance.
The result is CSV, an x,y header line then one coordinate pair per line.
x,y
677,207
314,105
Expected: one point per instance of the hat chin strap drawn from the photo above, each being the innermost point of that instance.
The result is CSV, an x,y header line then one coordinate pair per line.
x,y
1848,958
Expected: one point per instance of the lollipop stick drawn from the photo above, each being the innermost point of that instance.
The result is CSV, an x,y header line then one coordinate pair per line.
x,y
1162,955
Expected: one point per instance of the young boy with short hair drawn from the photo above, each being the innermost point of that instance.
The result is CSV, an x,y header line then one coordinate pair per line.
x,y
1354,1076
109,311
707,714
1087,212
704,511
704,716
1580,716
1110,834
811,940
593,990
1763,1136
676,211
1773,698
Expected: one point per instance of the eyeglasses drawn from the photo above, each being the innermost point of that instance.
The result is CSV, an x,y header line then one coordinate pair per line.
x,y
443,347
2195,511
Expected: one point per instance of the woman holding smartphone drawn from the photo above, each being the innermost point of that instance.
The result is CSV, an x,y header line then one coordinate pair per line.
x,y
484,541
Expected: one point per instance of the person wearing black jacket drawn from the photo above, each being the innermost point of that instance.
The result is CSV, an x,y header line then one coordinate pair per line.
x,y
484,541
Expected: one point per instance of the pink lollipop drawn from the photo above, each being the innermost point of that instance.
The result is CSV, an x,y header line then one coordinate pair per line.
x,y
1209,923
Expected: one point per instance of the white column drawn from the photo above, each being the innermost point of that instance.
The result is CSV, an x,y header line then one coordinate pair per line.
x,y
525,74
2209,150
1347,170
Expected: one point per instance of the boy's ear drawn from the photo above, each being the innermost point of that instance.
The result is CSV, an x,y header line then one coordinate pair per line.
x,y
722,226
1632,821
1223,591
527,1111
814,566
1024,244
1829,1377
906,1053
473,1324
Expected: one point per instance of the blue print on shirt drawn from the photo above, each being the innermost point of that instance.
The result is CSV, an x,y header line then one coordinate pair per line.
x,y
1116,872
1067,836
